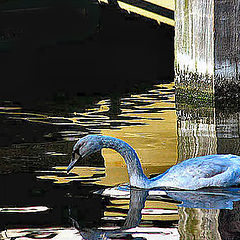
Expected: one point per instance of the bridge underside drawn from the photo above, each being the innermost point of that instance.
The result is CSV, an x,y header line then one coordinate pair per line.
x,y
161,11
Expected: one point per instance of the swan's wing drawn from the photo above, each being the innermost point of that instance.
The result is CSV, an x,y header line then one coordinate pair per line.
x,y
215,170
206,170
206,166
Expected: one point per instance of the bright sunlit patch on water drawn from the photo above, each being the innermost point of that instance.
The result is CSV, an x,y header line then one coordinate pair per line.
x,y
77,174
149,233
24,209
155,233
112,218
116,192
55,154
146,121
158,211
41,233
10,108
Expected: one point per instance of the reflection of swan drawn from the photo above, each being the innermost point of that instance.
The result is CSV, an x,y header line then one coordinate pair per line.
x,y
207,198
136,204
132,221
195,173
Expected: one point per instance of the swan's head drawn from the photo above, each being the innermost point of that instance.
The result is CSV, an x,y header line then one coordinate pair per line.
x,y
84,147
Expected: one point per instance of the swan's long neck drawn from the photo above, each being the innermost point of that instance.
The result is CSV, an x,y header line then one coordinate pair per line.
x,y
135,172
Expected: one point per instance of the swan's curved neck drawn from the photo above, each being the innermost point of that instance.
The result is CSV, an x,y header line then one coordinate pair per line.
x,y
135,172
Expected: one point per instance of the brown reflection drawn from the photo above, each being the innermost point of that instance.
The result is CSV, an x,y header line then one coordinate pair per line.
x,y
228,131
229,223
196,137
196,131
204,130
228,141
198,223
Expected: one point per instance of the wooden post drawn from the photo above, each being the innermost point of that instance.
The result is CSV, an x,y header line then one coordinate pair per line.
x,y
207,49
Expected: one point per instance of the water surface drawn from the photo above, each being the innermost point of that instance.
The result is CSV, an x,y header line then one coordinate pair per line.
x,y
41,201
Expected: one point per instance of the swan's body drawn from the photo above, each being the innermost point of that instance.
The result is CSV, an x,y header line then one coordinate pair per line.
x,y
192,174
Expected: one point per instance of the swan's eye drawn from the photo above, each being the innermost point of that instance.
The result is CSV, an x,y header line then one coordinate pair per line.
x,y
75,155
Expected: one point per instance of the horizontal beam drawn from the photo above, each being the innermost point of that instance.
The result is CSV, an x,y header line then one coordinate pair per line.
x,y
161,11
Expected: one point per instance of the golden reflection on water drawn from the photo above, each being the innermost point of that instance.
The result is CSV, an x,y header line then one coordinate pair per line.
x,y
146,121
153,210
82,174
155,141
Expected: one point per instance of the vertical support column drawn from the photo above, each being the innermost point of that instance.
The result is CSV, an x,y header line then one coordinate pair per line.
x,y
207,49
227,48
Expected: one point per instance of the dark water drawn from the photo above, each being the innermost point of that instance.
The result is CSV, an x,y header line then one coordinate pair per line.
x,y
39,200
112,76
45,201
86,70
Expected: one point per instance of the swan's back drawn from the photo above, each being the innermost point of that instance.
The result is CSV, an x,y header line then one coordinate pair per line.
x,y
206,171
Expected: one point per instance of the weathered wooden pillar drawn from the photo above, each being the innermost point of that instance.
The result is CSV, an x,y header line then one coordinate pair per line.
x,y
207,49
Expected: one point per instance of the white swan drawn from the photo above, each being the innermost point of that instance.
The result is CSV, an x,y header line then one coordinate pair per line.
x,y
191,174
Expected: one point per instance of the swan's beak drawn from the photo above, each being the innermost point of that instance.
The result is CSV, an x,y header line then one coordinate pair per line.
x,y
72,163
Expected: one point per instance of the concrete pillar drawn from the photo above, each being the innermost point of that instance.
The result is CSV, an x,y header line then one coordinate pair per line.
x,y
207,49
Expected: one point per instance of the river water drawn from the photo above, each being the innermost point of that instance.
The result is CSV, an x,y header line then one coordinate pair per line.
x,y
39,200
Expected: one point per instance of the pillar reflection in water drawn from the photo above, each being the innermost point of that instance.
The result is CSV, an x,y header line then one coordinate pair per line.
x,y
228,131
202,131
228,141
196,131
